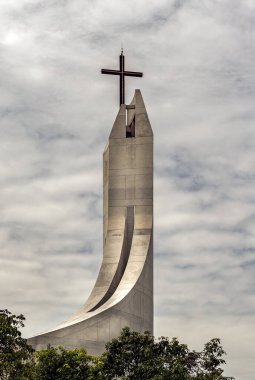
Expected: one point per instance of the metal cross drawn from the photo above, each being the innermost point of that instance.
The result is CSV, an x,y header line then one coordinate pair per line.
x,y
122,73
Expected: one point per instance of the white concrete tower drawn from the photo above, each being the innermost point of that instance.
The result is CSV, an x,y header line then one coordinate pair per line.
x,y
123,293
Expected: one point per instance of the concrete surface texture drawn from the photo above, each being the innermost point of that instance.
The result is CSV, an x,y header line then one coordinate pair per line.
x,y
123,293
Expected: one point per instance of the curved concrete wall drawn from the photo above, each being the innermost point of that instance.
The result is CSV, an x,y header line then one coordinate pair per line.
x,y
123,292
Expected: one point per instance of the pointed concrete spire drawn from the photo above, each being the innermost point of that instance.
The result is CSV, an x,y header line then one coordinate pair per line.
x,y
123,292
143,126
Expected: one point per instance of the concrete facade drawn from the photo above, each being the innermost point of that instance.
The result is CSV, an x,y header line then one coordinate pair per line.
x,y
123,293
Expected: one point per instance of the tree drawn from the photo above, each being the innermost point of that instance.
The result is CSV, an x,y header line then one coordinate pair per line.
x,y
61,364
131,356
16,356
177,361
135,356
210,361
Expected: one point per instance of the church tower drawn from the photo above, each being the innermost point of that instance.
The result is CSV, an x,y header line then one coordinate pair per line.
x,y
123,292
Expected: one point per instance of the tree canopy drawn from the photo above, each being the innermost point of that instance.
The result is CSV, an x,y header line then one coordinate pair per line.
x,y
135,356
16,356
131,356
62,364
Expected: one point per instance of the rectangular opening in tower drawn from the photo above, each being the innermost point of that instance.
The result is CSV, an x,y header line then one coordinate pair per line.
x,y
130,129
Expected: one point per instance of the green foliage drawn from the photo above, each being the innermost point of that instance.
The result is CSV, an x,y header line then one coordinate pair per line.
x,y
211,359
16,356
62,364
131,356
135,356
177,362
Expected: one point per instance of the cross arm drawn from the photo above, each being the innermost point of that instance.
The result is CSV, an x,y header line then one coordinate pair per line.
x,y
133,74
112,72
118,72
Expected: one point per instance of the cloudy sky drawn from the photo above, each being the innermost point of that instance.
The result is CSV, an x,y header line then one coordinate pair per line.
x,y
56,112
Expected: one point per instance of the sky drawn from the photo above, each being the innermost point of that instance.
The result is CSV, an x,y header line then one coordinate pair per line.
x,y
56,112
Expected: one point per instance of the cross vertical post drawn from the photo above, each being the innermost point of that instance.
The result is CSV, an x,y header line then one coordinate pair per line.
x,y
122,79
